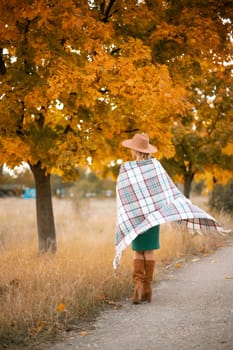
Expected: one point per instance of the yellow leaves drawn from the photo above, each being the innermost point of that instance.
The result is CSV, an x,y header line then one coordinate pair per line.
x,y
94,32
201,27
137,16
63,77
167,32
13,150
39,10
35,98
55,117
135,50
228,149
178,179
69,21
222,176
142,82
43,54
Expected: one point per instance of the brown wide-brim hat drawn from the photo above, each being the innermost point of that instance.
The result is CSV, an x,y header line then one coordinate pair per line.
x,y
140,142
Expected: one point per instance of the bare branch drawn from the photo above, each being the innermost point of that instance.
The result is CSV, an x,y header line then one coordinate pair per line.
x,y
108,10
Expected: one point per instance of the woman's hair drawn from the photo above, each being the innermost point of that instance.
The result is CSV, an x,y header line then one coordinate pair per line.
x,y
141,155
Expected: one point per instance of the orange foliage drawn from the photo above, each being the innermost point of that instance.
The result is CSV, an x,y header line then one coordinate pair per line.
x,y
80,78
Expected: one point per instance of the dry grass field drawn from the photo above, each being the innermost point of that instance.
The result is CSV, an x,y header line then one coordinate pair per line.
x,y
42,295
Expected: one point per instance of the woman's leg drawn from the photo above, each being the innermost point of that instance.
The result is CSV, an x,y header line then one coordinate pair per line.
x,y
149,255
138,255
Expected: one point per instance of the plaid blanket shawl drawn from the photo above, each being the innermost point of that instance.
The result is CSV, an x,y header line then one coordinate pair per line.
x,y
146,197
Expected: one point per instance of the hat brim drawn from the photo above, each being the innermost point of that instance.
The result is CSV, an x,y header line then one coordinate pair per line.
x,y
129,144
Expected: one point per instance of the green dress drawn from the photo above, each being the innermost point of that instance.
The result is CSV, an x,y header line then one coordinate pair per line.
x,y
148,240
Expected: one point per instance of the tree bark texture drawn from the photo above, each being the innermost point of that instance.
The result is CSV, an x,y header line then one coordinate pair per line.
x,y
188,179
44,210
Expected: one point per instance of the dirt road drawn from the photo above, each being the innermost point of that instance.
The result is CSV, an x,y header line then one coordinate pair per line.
x,y
191,309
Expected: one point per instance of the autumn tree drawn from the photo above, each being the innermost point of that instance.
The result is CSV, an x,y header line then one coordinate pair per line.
x,y
70,85
79,76
194,40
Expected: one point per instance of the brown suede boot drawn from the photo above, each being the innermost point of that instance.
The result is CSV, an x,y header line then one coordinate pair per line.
x,y
147,286
138,278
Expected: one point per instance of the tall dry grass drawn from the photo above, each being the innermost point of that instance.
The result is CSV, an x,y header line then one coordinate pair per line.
x,y
46,294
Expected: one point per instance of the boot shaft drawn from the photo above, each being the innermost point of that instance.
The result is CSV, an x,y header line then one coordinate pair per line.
x,y
147,285
138,270
138,279
149,270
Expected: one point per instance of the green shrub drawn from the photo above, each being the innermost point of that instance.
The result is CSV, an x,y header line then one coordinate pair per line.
x,y
222,198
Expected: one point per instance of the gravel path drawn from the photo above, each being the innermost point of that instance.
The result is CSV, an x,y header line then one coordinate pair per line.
x,y
191,309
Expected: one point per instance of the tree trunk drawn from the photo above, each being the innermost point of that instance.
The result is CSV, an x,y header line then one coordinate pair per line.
x,y
2,63
188,179
44,210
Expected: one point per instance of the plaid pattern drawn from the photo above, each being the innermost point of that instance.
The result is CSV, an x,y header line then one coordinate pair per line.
x,y
146,197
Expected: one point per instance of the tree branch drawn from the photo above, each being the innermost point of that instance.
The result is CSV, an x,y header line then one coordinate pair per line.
x,y
131,130
108,10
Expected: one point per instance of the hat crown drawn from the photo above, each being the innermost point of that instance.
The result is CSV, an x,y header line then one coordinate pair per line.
x,y
140,141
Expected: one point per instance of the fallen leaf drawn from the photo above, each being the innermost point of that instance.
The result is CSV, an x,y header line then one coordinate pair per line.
x,y
83,333
196,260
101,297
39,327
229,277
168,267
117,307
213,261
177,265
61,307
110,302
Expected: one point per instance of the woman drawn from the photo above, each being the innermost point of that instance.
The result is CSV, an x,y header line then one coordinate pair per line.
x,y
146,198
143,245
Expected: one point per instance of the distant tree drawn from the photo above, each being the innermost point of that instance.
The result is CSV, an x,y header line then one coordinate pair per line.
x,y
221,198
203,138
